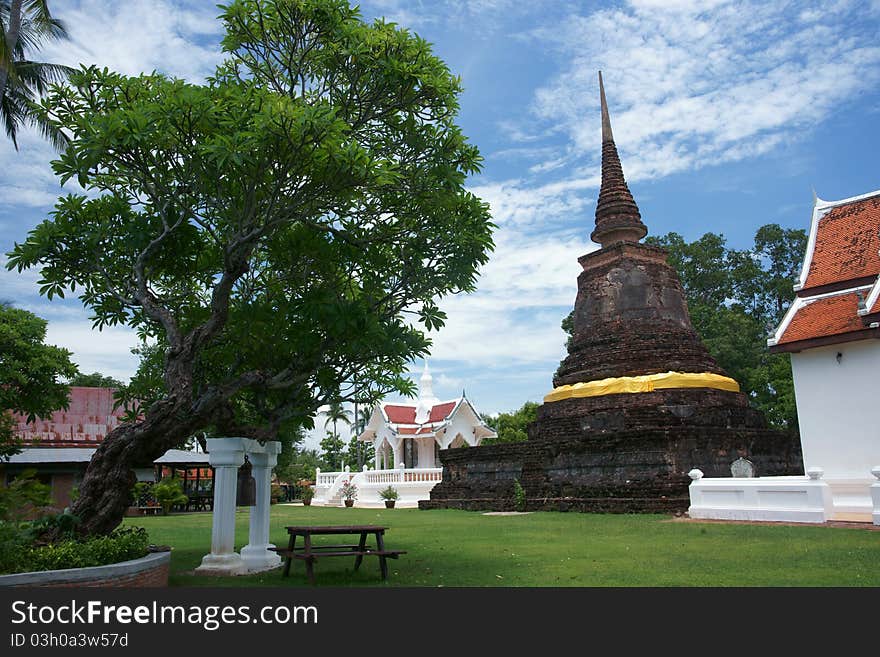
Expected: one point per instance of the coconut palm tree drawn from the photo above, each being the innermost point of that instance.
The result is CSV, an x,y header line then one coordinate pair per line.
x,y
25,25
337,413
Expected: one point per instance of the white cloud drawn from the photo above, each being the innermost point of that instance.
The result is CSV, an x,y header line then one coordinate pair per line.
x,y
692,84
139,36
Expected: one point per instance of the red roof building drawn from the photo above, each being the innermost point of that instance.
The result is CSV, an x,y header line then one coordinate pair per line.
x,y
838,294
89,417
831,332
413,433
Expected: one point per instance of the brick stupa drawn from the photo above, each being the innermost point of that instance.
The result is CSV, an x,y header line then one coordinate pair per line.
x,y
638,401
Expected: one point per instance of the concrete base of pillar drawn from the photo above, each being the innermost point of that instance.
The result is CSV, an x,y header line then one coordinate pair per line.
x,y
221,564
257,558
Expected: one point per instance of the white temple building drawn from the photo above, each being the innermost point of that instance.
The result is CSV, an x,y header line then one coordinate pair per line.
x,y
831,332
407,438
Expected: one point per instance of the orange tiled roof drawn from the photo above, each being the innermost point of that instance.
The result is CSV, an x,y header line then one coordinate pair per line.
x,y
847,244
833,315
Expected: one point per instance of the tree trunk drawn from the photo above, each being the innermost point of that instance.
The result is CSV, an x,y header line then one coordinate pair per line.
x,y
105,492
11,37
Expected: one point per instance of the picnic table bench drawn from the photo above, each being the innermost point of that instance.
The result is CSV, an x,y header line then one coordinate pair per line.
x,y
310,553
151,510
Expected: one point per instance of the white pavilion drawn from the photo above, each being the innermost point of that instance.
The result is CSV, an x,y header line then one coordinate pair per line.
x,y
407,438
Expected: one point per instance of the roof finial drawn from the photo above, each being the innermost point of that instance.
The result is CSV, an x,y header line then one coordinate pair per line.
x,y
607,135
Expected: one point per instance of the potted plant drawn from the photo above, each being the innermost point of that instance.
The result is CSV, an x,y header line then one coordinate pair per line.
x,y
349,492
306,495
168,493
390,496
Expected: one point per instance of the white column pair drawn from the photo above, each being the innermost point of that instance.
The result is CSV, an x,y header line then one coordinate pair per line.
x,y
226,455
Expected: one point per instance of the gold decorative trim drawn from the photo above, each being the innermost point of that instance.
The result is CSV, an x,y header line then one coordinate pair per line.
x,y
642,383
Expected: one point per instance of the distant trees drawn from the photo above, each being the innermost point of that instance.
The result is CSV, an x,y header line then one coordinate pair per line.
x,y
25,25
511,427
31,373
736,298
95,380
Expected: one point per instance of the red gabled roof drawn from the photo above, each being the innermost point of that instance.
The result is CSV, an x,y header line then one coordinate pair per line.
x,y
826,316
441,411
398,414
847,244
406,414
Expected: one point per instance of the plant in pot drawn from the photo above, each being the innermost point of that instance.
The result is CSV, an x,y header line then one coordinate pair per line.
x,y
390,496
349,492
306,495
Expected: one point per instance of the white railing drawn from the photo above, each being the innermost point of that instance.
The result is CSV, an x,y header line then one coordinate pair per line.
x,y
326,478
400,475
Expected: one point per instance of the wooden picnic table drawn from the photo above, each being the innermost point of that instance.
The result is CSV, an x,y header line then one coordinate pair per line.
x,y
309,553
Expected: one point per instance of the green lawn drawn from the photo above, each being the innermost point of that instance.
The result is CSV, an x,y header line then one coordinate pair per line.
x,y
459,548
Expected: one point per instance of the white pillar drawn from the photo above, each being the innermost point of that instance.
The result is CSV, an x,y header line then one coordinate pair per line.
x,y
256,555
226,455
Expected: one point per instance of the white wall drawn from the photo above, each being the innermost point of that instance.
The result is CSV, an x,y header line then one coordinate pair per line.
x,y
839,407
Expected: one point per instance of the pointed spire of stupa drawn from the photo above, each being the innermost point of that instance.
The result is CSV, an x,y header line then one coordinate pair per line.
x,y
617,215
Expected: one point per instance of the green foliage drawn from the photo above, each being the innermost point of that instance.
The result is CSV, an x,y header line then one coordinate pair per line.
x,y
31,372
307,493
519,496
22,496
95,380
122,544
389,493
512,427
25,27
142,494
359,452
332,452
269,232
169,492
300,465
736,299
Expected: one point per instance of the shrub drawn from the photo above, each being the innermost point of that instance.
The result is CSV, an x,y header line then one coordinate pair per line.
x,y
169,492
23,496
142,494
307,493
122,544
389,493
519,496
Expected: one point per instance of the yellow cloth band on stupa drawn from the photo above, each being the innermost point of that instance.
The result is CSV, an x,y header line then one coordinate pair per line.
x,y
642,383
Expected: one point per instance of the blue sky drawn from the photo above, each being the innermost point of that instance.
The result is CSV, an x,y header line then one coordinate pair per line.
x,y
726,116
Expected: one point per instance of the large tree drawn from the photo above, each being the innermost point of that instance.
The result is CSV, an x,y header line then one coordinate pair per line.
x,y
25,25
270,234
736,298
32,373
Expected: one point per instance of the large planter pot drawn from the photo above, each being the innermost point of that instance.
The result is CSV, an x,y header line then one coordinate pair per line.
x,y
307,502
389,504
148,571
349,503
